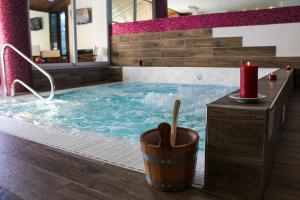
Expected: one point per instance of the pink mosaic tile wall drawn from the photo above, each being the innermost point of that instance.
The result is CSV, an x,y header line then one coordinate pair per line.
x,y
244,18
14,29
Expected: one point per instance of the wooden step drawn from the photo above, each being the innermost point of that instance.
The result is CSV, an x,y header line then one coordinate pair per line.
x,y
73,77
181,62
212,62
154,44
140,54
135,37
125,62
214,42
152,62
187,52
178,43
199,33
244,51
199,52
123,46
196,33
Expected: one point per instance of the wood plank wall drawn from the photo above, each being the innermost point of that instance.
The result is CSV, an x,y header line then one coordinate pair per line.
x,y
191,48
242,140
76,77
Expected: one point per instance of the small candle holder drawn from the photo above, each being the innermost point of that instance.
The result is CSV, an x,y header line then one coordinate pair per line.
x,y
272,76
141,63
288,67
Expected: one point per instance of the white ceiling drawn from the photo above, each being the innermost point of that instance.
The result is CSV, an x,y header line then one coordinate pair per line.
x,y
215,6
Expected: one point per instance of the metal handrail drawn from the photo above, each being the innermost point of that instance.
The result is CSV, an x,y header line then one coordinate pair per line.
x,y
52,92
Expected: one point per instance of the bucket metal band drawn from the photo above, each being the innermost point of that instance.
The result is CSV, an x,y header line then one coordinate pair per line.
x,y
164,186
170,161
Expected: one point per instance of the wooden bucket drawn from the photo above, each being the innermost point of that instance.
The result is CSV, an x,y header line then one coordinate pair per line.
x,y
169,167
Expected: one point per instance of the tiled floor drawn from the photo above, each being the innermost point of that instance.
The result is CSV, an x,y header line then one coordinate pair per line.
x,y
33,171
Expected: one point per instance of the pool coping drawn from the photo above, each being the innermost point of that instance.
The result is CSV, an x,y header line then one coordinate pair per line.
x,y
116,151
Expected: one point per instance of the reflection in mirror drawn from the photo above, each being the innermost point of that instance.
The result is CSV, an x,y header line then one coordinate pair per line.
x,y
122,11
49,31
143,10
131,10
198,7
91,26
139,10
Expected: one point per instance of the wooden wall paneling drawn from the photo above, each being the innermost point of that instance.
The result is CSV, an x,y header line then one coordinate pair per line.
x,y
65,78
138,37
214,42
276,117
125,62
212,62
154,44
214,52
244,51
234,158
140,54
195,33
242,140
172,43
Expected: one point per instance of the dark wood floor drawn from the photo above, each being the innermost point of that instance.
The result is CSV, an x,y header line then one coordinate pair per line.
x,y
285,180
32,171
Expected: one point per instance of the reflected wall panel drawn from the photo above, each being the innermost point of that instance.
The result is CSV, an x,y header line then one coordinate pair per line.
x,y
92,29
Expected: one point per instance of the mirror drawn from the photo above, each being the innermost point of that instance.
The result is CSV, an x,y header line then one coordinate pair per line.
x,y
138,10
53,31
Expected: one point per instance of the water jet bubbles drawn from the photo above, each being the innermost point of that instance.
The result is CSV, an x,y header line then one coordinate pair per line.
x,y
119,110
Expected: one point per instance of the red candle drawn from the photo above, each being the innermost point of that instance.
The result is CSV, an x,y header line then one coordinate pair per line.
x,y
272,76
249,81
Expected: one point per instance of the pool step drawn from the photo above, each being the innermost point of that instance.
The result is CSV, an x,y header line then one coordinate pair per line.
x,y
177,43
199,33
245,51
232,61
75,77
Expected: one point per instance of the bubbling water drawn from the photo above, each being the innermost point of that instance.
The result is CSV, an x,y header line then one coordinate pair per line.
x,y
120,110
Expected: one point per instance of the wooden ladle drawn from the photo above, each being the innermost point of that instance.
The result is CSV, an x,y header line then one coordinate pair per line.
x,y
174,123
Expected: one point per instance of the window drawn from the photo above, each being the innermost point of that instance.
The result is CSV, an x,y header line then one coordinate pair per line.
x,y
144,10
122,11
63,34
131,10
